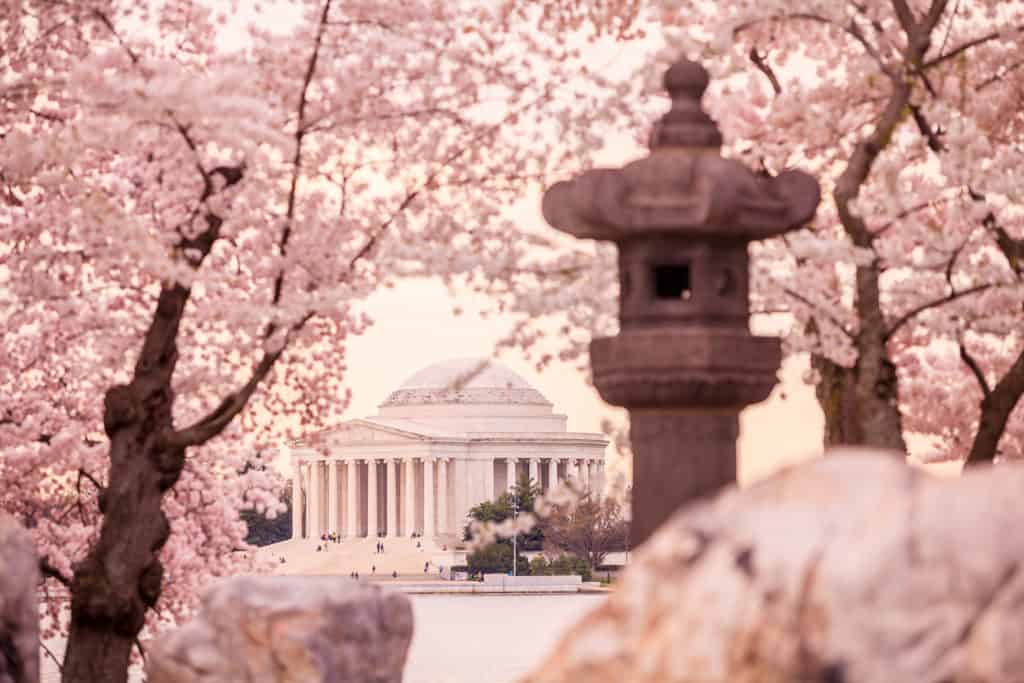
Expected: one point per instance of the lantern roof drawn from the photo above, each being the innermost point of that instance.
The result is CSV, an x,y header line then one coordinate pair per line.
x,y
684,187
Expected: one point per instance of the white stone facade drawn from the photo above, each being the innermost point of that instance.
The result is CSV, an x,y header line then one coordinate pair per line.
x,y
454,435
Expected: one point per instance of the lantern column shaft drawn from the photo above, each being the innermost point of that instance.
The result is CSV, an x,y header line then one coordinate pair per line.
x,y
678,456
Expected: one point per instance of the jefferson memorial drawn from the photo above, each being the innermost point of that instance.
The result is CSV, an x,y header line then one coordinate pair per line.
x,y
453,435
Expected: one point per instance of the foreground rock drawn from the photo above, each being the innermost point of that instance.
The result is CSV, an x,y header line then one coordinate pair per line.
x,y
19,612
854,569
288,629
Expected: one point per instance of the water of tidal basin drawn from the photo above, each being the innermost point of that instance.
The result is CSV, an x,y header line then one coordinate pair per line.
x,y
471,638
476,638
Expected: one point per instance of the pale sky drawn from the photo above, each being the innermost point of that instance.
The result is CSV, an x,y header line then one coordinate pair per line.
x,y
416,327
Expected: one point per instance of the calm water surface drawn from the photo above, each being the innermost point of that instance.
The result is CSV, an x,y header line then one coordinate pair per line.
x,y
487,639
473,638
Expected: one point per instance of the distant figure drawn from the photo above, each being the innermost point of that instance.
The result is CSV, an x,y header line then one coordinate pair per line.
x,y
282,560
373,569
444,547
357,576
426,566
382,547
318,547
394,575
418,544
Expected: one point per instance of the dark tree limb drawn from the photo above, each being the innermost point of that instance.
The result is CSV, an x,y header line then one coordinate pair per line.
x,y
761,62
935,303
975,369
996,408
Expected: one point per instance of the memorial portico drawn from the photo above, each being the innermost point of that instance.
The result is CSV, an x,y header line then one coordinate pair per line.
x,y
454,435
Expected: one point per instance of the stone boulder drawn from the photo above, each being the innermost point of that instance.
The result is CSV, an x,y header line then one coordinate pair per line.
x,y
285,629
19,609
852,569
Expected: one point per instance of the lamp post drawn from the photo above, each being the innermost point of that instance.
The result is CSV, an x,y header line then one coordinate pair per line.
x,y
684,363
515,536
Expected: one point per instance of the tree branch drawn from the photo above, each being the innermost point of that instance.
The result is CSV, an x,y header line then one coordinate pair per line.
x,y
935,303
970,44
858,168
300,134
996,408
819,311
50,572
1011,247
905,15
214,423
975,369
761,62
995,78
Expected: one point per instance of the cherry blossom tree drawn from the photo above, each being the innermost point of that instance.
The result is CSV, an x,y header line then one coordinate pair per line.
x,y
589,528
906,290
194,207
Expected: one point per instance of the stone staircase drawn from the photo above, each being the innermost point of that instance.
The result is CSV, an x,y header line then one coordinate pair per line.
x,y
406,556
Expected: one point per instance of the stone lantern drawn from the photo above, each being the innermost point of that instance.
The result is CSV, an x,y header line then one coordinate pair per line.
x,y
685,363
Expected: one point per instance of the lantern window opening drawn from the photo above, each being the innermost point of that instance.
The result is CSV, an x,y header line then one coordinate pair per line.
x,y
673,282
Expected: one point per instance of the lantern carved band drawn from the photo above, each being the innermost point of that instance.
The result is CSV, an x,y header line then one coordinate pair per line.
x,y
684,363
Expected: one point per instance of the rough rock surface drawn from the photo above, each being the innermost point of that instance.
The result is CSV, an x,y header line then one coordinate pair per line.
x,y
853,569
19,610
285,629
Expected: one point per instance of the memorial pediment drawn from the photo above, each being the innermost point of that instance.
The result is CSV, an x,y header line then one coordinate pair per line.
x,y
362,431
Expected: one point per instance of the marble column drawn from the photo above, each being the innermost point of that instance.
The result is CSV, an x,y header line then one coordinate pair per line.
x,y
489,491
429,528
599,473
332,496
313,494
552,474
371,499
410,496
392,498
535,471
296,500
510,473
585,474
442,496
350,498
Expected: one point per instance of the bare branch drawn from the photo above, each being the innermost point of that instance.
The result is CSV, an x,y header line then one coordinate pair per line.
x,y
907,212
50,572
935,303
233,404
819,311
859,166
999,76
970,44
761,62
300,134
1011,247
932,136
975,369
906,16
105,20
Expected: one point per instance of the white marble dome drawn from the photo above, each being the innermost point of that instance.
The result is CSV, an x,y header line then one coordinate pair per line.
x,y
466,381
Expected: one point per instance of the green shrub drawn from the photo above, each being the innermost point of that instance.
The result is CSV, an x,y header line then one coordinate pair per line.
x,y
496,558
563,565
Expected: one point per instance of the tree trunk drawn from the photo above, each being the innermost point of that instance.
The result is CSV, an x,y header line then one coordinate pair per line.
x,y
996,408
861,403
121,576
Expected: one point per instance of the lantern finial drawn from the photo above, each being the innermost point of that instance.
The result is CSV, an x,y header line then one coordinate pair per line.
x,y
686,124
